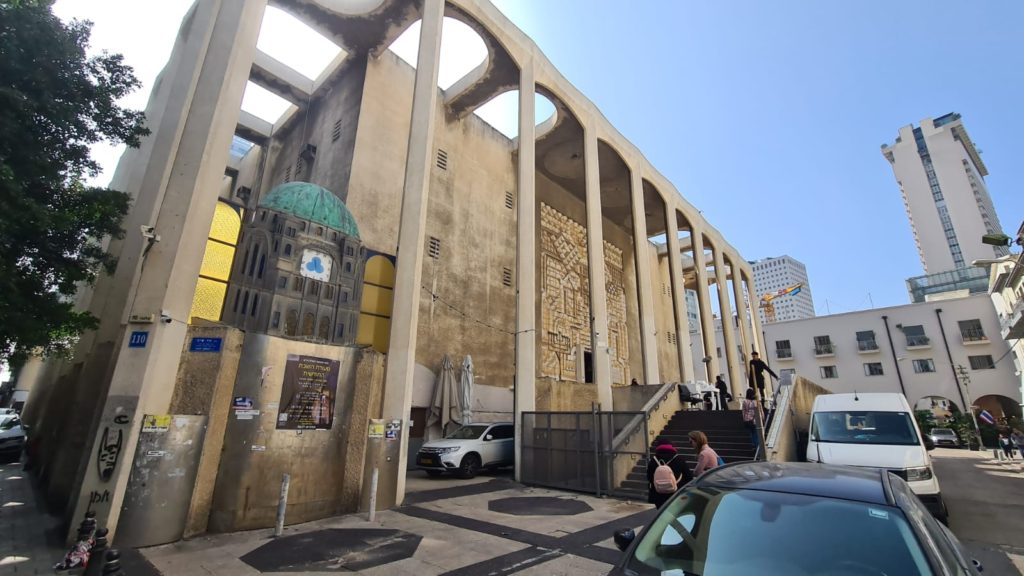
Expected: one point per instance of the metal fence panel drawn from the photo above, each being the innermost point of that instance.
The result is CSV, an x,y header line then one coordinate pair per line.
x,y
581,451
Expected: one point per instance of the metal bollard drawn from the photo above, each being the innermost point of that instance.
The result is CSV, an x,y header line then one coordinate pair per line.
x,y
112,563
282,504
373,495
97,555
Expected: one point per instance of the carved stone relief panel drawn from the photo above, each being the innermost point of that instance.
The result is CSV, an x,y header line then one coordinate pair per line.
x,y
565,300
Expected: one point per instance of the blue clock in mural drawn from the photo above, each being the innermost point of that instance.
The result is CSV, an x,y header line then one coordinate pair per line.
x,y
316,265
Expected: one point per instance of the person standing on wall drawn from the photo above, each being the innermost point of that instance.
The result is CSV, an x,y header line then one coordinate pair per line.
x,y
757,369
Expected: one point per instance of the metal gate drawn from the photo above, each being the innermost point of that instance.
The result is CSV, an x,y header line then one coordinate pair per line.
x,y
582,451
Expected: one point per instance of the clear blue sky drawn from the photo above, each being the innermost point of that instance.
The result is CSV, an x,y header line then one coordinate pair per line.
x,y
768,116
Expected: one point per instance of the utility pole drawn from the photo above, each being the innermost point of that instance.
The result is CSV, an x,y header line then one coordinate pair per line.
x,y
964,379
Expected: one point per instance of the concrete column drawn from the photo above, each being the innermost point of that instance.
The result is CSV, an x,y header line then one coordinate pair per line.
x,y
526,255
675,268
757,342
645,292
741,311
401,361
728,330
143,377
595,258
707,319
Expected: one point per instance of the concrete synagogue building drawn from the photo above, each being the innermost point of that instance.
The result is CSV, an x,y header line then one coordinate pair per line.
x,y
281,283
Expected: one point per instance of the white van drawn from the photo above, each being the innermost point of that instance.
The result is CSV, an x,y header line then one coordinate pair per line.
x,y
876,430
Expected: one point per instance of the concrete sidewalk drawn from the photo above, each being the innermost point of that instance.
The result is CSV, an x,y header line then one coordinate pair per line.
x,y
986,510
30,539
490,526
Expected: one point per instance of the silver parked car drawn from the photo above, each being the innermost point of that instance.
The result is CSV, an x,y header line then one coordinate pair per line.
x,y
12,436
944,437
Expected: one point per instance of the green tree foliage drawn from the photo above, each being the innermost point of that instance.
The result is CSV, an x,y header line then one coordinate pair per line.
x,y
925,420
55,102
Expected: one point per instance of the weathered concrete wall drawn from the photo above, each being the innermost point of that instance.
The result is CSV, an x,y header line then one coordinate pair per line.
x,y
562,396
793,420
632,398
204,386
248,480
664,318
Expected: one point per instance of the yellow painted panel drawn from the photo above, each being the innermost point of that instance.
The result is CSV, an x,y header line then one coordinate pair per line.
x,y
376,300
208,300
217,261
379,270
374,331
226,224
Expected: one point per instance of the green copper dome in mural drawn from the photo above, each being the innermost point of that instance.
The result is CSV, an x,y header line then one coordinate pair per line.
x,y
313,203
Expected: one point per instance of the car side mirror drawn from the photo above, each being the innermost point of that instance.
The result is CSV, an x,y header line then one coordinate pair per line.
x,y
929,444
624,537
977,565
489,437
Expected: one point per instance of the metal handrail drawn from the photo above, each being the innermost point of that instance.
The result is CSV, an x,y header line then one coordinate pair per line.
x,y
651,405
865,345
820,349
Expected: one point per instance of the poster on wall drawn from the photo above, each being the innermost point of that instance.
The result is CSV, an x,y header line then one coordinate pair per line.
x,y
308,393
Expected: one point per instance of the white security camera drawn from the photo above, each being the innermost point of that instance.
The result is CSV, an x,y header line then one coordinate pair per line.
x,y
165,317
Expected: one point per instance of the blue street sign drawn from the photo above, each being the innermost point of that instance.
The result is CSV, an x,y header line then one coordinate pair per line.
x,y
205,345
138,339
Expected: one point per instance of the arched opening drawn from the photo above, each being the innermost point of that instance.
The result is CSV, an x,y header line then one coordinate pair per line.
x,y
935,411
996,414
307,324
462,50
291,323
502,112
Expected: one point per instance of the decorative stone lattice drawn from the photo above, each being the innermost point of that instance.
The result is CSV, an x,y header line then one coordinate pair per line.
x,y
565,300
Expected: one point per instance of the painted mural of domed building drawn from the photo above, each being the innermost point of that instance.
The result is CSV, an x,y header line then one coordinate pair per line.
x,y
297,271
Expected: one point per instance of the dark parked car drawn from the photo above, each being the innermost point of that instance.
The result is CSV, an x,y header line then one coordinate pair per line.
x,y
793,519
944,437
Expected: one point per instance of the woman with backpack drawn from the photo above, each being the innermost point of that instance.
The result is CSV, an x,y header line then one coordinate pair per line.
x,y
706,457
750,410
666,473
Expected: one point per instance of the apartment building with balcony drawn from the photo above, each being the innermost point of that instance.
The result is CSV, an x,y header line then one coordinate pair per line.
x,y
1006,287
914,348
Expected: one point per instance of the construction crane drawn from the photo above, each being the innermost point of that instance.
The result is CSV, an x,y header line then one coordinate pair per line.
x,y
769,306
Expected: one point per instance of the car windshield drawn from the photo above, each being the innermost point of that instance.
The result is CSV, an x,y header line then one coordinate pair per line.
x,y
467,433
716,532
9,422
864,428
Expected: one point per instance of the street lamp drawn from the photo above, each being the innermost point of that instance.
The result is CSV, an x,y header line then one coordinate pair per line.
x,y
965,380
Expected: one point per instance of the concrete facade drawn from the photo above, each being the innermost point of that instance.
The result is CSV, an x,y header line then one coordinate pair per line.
x,y
479,226
853,352
1007,290
942,180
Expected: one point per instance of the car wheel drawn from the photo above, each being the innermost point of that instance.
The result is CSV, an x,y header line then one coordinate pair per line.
x,y
434,473
470,466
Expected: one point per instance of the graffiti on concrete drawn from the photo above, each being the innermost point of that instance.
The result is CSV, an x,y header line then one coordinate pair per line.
x,y
109,451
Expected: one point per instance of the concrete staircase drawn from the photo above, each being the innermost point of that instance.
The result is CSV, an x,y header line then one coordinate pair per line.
x,y
726,435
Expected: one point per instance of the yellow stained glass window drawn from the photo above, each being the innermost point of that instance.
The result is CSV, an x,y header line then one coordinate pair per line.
x,y
375,307
217,261
227,222
209,299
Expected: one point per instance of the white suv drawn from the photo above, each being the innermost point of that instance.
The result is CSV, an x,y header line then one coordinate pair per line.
x,y
468,449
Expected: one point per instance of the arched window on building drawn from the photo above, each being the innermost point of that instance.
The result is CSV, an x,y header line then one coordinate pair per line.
x,y
307,324
324,330
291,322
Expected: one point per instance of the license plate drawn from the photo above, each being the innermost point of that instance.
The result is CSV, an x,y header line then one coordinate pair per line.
x,y
424,460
